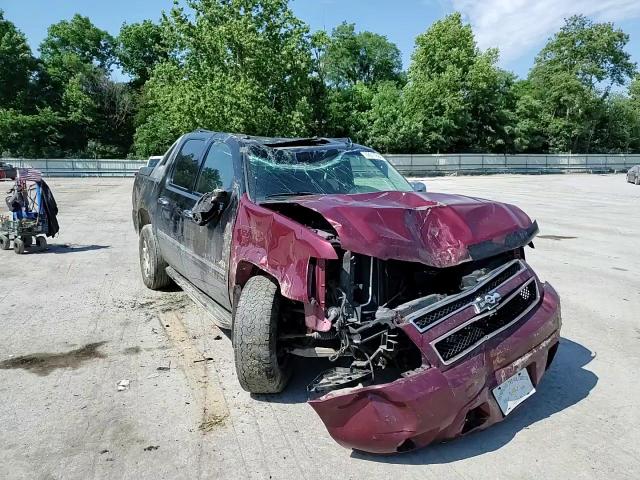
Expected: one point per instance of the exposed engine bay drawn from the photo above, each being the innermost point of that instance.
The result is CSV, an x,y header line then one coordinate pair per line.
x,y
367,302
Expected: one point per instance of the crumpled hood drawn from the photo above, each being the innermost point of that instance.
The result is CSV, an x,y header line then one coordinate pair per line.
x,y
435,229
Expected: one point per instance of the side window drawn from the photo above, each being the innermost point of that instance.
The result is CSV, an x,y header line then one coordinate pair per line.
x,y
187,164
217,171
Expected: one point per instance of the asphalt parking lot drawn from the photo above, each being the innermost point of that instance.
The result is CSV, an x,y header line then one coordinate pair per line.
x,y
76,320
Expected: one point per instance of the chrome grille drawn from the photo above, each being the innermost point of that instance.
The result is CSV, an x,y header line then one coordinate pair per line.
x,y
434,314
467,337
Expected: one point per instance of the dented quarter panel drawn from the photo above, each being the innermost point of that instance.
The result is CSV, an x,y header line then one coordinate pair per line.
x,y
436,229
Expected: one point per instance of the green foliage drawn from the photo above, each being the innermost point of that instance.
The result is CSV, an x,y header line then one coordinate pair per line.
x,y
251,66
366,57
76,45
140,47
571,81
29,135
97,113
16,65
237,65
456,98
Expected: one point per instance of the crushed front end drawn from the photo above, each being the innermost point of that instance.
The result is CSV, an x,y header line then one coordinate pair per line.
x,y
420,351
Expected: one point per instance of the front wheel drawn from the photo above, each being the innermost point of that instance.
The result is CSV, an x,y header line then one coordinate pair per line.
x,y
637,182
5,243
152,265
18,246
262,366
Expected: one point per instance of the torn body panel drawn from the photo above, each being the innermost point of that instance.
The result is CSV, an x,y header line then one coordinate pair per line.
x,y
435,403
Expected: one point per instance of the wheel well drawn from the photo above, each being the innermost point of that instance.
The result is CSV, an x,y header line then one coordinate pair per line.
x,y
143,219
290,309
246,270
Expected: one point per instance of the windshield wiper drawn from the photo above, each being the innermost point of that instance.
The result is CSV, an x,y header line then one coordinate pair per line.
x,y
291,194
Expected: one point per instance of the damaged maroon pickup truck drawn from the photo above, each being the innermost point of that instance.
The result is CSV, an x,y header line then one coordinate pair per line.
x,y
431,320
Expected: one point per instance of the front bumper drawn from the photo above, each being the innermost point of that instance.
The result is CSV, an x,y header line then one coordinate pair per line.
x,y
440,403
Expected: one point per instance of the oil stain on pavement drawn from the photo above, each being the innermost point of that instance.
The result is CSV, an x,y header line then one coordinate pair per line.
x,y
43,364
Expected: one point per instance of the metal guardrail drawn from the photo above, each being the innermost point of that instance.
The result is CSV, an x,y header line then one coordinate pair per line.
x,y
423,164
407,164
80,167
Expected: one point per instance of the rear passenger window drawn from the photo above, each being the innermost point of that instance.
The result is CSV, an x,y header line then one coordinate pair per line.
x,y
187,164
217,171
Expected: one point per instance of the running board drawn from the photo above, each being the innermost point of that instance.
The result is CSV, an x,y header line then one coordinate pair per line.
x,y
220,315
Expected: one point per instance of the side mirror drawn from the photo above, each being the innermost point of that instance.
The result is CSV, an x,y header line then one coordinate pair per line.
x,y
210,206
418,187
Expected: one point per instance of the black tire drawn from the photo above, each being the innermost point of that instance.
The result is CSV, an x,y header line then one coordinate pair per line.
x,y
18,246
152,265
5,243
41,243
261,368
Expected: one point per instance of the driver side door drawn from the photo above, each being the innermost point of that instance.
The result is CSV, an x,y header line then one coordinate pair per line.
x,y
209,246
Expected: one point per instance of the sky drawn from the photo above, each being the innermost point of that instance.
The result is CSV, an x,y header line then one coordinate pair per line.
x,y
519,28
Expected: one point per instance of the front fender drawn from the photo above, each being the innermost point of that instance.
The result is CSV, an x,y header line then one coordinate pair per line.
x,y
276,245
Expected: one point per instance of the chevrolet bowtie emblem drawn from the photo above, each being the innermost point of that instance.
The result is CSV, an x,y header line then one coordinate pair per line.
x,y
486,303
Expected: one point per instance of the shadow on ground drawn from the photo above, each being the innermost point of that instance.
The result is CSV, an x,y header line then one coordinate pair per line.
x,y
70,248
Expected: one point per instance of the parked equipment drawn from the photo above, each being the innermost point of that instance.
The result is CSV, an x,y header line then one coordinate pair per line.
x,y
32,214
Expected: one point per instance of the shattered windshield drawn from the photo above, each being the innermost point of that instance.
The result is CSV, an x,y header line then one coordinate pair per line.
x,y
283,172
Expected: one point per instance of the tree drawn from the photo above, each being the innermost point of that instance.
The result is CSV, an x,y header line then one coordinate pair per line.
x,y
618,130
30,135
347,111
388,128
73,46
99,114
140,47
16,65
456,97
237,65
96,113
365,57
571,79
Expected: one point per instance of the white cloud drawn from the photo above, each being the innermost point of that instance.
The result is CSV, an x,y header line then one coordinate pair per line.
x,y
518,26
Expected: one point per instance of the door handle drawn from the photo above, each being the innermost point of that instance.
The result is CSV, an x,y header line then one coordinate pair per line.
x,y
163,201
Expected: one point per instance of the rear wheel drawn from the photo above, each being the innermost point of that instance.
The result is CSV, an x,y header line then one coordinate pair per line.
x,y
41,243
637,182
152,265
262,366
5,243
18,246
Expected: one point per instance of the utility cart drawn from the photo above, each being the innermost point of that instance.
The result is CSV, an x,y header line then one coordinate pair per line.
x,y
22,233
27,225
